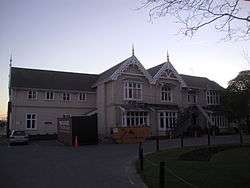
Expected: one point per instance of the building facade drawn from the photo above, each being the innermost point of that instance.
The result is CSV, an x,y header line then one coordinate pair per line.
x,y
123,96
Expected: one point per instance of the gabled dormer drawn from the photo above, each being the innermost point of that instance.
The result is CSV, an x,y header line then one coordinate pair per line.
x,y
131,66
166,71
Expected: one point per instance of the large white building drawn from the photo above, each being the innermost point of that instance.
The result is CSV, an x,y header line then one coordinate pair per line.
x,y
124,95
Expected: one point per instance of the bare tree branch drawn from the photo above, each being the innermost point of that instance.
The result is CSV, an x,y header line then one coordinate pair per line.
x,y
226,15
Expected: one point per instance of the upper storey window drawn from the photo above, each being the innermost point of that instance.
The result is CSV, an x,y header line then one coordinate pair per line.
x,y
82,97
213,97
49,95
192,98
32,94
66,96
132,91
166,94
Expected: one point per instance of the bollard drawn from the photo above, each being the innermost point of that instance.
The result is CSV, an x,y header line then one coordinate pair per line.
x,y
141,157
162,174
139,150
208,137
182,141
241,137
157,144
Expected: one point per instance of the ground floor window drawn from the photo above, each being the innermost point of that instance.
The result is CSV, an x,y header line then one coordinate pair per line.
x,y
167,120
219,121
135,118
31,121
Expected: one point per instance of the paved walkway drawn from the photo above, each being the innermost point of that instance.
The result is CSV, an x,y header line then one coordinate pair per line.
x,y
48,164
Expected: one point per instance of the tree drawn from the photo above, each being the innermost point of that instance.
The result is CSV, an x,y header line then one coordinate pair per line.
x,y
229,16
237,98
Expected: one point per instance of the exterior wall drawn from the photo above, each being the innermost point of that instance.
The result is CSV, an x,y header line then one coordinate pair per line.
x,y
101,109
47,111
44,115
20,98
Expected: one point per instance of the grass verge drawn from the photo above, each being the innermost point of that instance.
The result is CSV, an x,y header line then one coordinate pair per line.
x,y
216,166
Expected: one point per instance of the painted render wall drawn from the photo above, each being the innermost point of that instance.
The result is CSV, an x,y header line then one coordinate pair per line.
x,y
46,110
115,96
44,115
20,98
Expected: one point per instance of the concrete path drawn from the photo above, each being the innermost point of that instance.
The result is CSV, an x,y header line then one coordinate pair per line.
x,y
46,164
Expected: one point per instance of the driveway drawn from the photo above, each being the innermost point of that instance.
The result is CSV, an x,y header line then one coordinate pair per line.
x,y
48,164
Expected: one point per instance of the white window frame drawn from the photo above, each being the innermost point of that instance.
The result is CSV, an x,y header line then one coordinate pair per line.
x,y
219,121
66,96
31,119
213,97
50,92
66,115
135,118
32,95
166,94
192,98
169,119
80,98
132,90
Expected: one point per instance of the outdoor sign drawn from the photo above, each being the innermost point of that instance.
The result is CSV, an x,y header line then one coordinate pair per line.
x,y
64,132
64,125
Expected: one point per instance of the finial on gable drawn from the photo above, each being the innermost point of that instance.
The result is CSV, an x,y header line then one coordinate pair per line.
x,y
133,50
167,56
10,60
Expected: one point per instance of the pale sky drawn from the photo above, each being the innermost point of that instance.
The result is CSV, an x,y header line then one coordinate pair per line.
x,y
92,36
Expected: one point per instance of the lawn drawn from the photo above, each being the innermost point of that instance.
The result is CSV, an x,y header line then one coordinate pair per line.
x,y
216,166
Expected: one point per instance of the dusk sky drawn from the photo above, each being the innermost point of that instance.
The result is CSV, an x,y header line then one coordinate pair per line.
x,y
92,36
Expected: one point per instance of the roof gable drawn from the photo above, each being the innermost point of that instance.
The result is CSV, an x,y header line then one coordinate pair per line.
x,y
168,71
106,74
124,66
153,70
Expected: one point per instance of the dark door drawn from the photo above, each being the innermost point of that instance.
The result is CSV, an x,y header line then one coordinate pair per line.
x,y
85,128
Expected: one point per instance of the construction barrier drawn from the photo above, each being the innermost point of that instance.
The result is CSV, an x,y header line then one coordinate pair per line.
x,y
130,135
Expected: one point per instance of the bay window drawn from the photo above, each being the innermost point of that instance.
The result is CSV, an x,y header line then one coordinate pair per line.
x,y
135,118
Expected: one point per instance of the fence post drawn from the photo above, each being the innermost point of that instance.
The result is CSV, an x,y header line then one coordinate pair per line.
x,y
139,150
208,136
157,143
241,137
182,141
162,174
141,156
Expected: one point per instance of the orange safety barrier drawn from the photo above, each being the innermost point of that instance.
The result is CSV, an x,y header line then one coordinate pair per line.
x,y
129,135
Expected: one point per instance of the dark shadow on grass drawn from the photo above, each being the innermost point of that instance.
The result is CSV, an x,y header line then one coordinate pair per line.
x,y
206,153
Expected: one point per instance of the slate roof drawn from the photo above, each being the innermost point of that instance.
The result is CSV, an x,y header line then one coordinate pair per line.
x,y
200,82
191,81
106,74
45,79
152,71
